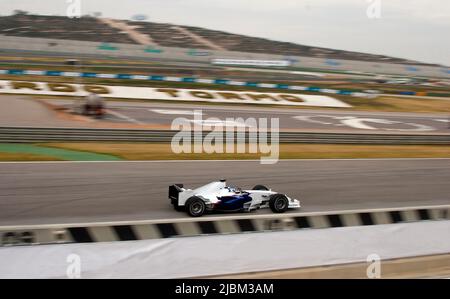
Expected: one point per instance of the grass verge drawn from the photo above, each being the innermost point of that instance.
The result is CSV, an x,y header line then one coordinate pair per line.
x,y
395,104
12,157
151,151
30,152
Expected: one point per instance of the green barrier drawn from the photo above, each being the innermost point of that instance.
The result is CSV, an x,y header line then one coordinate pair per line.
x,y
106,46
152,50
63,154
437,94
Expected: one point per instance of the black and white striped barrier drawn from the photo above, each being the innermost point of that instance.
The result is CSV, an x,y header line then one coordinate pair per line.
x,y
168,228
159,78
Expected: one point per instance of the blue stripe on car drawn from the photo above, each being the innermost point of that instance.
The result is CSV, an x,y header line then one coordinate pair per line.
x,y
234,202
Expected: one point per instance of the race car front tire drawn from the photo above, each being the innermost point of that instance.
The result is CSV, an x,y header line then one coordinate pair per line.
x,y
195,206
278,203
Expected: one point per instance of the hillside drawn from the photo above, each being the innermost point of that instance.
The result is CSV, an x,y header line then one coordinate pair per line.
x,y
168,35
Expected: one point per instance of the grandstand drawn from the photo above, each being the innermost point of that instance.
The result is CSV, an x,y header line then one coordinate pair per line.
x,y
57,27
234,42
88,28
166,35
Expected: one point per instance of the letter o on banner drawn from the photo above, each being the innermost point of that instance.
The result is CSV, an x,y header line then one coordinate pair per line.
x,y
291,98
96,89
22,85
202,94
60,87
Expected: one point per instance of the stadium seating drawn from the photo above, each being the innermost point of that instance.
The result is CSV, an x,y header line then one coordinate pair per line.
x,y
234,42
84,29
168,35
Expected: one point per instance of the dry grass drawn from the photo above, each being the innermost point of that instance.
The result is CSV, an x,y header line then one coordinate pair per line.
x,y
431,266
395,104
148,151
25,157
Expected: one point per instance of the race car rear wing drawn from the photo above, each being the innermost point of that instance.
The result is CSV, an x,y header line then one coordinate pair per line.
x,y
174,191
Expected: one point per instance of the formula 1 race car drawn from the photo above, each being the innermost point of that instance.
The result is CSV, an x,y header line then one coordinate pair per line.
x,y
217,196
92,105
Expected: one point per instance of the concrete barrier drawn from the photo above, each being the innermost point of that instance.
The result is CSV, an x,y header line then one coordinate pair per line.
x,y
220,255
181,227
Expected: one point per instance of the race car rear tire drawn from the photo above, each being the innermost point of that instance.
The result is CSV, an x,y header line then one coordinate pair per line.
x,y
278,203
260,187
195,206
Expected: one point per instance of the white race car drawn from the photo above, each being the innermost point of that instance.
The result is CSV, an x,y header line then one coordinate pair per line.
x,y
217,196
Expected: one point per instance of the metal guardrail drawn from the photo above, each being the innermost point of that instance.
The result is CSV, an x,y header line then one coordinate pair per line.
x,y
30,135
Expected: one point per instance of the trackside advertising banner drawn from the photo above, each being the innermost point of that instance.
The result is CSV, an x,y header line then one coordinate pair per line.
x,y
170,94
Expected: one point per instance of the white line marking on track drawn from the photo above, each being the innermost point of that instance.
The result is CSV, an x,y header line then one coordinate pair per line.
x,y
250,160
174,112
290,214
120,115
361,123
218,122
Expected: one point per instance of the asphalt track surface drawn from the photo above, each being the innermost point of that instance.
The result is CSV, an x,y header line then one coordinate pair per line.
x,y
24,111
37,193
289,119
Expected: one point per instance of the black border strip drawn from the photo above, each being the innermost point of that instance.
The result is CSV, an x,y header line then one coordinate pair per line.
x,y
423,214
125,232
302,222
80,234
366,218
167,230
207,227
246,225
396,216
335,220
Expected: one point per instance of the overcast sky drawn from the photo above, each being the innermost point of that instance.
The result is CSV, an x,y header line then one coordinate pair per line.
x,y
414,29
